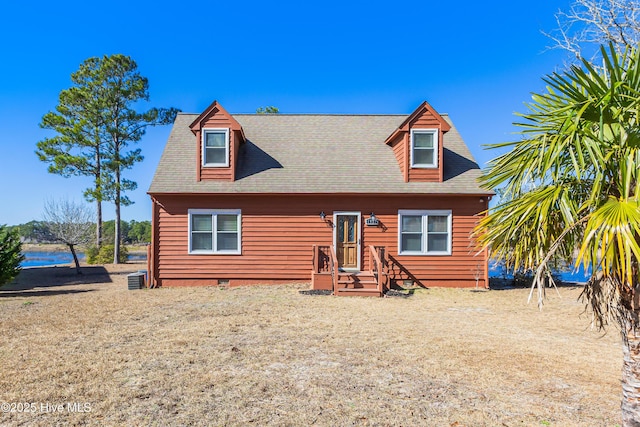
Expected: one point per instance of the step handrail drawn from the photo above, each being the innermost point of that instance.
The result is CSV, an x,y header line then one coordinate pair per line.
x,y
376,267
314,259
333,263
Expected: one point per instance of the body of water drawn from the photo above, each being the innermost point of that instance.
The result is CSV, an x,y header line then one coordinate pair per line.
x,y
568,275
41,259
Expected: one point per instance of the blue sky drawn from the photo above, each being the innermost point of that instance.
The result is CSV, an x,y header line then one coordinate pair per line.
x,y
477,61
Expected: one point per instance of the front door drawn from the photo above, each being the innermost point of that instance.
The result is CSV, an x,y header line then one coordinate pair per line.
x,y
347,240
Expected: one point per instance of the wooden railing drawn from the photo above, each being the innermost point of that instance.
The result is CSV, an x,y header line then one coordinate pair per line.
x,y
378,266
334,268
314,259
324,260
321,259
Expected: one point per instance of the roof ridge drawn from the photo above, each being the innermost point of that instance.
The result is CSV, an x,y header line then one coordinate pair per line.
x,y
320,114
315,114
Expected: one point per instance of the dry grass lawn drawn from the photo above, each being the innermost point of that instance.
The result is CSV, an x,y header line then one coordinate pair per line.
x,y
271,356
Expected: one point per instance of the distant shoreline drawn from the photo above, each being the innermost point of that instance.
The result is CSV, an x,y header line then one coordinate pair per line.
x,y
44,247
59,247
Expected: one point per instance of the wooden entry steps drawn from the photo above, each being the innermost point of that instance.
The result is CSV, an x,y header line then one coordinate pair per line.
x,y
360,283
327,275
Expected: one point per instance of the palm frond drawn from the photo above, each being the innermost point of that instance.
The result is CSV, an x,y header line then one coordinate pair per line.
x,y
572,182
610,239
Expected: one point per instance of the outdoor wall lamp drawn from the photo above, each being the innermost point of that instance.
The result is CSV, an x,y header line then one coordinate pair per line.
x,y
372,221
323,215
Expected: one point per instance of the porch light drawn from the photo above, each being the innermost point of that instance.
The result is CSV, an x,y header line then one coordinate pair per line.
x,y
323,215
372,221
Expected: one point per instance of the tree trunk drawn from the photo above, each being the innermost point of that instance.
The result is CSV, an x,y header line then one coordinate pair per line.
x,y
98,184
630,375
75,258
98,223
116,245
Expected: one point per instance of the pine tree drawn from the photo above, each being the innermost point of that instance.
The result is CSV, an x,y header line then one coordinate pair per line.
x,y
10,254
97,121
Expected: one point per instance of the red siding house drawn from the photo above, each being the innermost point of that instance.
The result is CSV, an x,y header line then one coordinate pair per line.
x,y
356,204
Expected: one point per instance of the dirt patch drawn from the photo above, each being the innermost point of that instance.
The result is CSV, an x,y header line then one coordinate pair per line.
x,y
271,356
394,293
315,292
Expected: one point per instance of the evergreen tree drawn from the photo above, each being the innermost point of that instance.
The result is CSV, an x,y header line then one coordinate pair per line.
x,y
10,254
78,148
267,110
97,120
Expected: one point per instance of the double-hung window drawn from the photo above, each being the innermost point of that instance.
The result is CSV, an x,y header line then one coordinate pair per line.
x,y
424,232
215,147
424,148
214,231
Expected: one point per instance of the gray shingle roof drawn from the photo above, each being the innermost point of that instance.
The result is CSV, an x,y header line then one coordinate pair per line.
x,y
313,154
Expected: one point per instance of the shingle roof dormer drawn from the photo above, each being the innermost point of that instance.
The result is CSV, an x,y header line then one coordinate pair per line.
x,y
218,134
315,154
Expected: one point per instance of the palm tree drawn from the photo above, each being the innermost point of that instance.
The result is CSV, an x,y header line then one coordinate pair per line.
x,y
570,190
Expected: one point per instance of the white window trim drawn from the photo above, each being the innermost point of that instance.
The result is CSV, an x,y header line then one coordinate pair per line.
x,y
425,214
436,148
226,147
216,212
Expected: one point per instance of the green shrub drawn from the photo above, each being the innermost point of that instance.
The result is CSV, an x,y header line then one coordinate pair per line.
x,y
90,254
10,254
104,255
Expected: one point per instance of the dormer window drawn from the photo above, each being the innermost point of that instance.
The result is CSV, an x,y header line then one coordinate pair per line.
x,y
424,148
215,147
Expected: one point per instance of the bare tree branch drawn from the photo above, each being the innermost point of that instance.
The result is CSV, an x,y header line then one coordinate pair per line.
x,y
70,223
589,24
